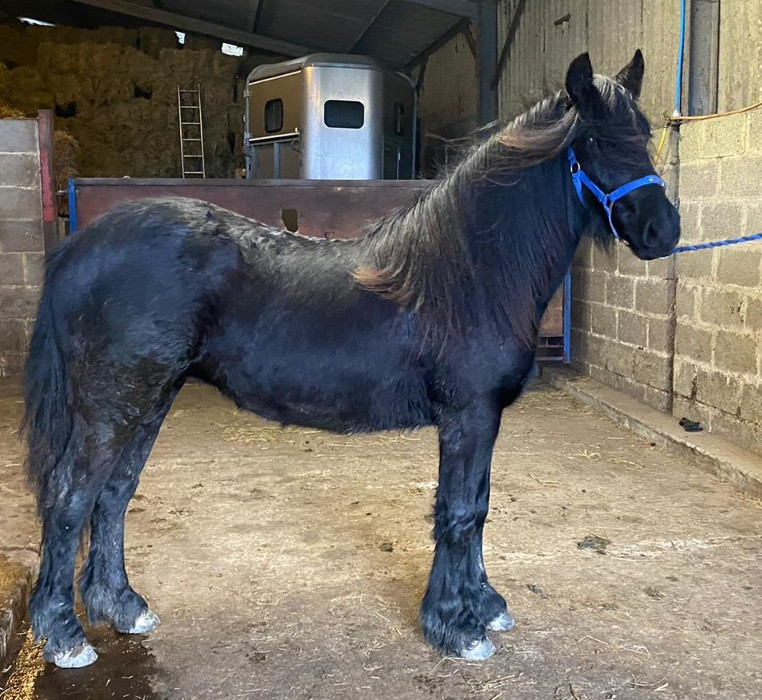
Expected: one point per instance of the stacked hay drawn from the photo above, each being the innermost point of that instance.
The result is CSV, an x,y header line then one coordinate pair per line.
x,y
8,112
66,154
115,92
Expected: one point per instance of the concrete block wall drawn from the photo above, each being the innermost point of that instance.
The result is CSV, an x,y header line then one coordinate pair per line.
x,y
740,57
718,343
21,238
621,322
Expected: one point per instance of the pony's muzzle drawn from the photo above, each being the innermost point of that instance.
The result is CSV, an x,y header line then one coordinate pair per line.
x,y
649,223
660,235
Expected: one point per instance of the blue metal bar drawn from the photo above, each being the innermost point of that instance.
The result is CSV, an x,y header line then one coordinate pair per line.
x,y
72,192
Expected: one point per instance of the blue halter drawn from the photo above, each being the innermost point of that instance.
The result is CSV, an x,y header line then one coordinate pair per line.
x,y
580,180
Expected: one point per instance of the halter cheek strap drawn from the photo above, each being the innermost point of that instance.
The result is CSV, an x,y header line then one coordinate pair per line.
x,y
607,200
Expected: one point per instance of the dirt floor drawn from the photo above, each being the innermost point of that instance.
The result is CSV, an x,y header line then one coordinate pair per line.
x,y
290,564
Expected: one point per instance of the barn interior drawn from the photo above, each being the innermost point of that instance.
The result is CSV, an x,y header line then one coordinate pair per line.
x,y
110,71
625,527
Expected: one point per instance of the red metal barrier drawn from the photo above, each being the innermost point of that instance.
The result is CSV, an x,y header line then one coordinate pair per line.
x,y
49,209
320,208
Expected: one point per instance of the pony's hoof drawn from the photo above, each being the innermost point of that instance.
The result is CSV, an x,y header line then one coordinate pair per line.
x,y
145,622
479,650
502,623
78,657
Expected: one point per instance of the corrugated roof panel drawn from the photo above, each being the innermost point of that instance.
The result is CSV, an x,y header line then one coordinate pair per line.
x,y
228,13
403,30
331,25
391,31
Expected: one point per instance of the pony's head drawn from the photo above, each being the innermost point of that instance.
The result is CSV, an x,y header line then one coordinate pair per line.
x,y
609,159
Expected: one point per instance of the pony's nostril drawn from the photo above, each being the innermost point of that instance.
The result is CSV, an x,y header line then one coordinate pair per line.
x,y
651,236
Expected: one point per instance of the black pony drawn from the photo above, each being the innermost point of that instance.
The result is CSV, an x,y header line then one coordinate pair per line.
x,y
429,318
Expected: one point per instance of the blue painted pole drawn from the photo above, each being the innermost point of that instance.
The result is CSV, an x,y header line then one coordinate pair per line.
x,y
680,55
72,192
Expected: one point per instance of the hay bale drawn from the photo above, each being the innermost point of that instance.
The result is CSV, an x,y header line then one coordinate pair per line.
x,y
66,153
8,112
18,44
66,150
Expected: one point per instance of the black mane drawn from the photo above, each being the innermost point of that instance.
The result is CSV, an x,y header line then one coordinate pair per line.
x,y
445,256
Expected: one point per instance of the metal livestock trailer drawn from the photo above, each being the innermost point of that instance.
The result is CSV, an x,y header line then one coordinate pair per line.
x,y
330,117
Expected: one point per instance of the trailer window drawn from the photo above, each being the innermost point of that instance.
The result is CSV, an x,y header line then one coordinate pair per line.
x,y
399,119
273,116
344,114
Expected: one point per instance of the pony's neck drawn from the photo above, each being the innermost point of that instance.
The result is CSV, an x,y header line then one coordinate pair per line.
x,y
521,229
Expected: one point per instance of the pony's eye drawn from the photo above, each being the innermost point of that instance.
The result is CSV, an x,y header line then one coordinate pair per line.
x,y
590,141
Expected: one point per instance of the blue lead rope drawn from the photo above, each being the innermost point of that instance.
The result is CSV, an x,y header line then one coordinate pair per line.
x,y
607,201
718,244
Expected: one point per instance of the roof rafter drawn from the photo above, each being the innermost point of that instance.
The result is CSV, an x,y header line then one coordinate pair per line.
x,y
456,29
367,27
197,26
257,14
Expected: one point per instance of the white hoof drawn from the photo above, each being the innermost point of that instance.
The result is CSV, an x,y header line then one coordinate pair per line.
x,y
78,657
502,623
145,622
479,650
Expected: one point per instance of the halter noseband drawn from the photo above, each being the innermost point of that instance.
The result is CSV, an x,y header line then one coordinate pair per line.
x,y
607,200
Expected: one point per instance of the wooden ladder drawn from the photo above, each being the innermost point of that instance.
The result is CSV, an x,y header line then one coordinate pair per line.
x,y
191,132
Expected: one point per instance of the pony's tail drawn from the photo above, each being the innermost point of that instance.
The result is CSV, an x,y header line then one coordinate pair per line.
x,y
48,417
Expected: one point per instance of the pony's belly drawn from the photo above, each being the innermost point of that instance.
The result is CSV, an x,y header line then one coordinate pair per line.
x,y
341,413
337,401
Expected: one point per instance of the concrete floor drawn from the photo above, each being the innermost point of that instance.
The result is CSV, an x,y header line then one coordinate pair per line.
x,y
290,563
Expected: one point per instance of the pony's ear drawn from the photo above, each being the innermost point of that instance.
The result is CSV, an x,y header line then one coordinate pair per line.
x,y
579,83
631,76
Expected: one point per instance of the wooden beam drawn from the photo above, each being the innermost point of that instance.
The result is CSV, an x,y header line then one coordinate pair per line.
x,y
486,63
507,43
703,57
197,26
438,44
421,76
459,8
468,35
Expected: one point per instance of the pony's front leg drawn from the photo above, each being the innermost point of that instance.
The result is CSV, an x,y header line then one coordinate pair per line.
x,y
492,611
458,607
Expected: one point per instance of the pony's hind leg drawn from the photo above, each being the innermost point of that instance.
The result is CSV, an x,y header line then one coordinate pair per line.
x,y
64,509
106,592
453,609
